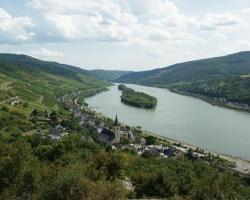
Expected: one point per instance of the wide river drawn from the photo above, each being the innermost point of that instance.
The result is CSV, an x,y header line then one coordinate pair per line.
x,y
182,118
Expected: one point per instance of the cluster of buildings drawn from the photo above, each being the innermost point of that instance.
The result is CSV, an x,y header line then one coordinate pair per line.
x,y
112,136
154,150
13,101
57,133
107,133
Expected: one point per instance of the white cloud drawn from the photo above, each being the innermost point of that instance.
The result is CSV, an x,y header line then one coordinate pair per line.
x,y
15,29
154,52
145,23
217,37
155,27
214,21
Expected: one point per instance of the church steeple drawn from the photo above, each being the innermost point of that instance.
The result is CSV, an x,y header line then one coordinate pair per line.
x,y
116,121
117,131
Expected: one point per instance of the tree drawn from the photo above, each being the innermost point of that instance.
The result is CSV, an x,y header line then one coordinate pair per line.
x,y
18,170
45,114
35,112
190,154
5,108
26,105
53,118
110,165
44,152
150,140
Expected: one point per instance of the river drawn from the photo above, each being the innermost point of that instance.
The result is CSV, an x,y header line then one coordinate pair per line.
x,y
182,118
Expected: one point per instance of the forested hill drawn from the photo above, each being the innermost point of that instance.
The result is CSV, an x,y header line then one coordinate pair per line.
x,y
234,64
221,77
12,65
108,75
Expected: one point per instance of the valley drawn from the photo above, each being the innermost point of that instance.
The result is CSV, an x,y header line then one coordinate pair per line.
x,y
49,120
124,100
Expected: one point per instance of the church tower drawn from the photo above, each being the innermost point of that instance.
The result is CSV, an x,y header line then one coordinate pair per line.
x,y
117,131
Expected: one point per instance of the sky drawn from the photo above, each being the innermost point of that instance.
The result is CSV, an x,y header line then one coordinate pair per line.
x,y
124,34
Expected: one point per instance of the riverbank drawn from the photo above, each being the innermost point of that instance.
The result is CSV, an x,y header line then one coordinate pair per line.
x,y
241,166
215,101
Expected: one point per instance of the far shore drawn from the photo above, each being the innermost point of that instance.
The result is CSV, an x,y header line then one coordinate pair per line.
x,y
231,106
207,99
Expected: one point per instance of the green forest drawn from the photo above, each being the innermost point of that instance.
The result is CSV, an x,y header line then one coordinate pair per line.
x,y
137,99
233,89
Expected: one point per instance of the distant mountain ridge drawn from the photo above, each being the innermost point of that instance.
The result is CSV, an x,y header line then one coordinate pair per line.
x,y
108,75
234,64
57,68
30,64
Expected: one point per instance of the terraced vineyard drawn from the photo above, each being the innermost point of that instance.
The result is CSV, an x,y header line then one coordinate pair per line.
x,y
37,84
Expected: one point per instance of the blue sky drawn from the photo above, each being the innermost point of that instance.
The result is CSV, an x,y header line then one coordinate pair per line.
x,y
124,34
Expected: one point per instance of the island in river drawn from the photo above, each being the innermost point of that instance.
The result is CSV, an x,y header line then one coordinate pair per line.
x,y
137,99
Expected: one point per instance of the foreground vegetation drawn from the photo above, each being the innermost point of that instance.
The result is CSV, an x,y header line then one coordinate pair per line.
x,y
79,167
137,99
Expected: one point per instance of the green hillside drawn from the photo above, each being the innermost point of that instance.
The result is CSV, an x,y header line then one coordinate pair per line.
x,y
37,84
30,78
108,75
222,77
